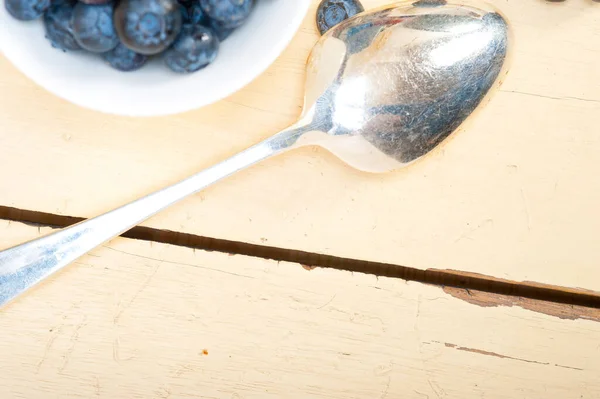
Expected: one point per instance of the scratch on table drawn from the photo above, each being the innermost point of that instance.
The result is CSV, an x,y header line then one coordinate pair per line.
x,y
163,392
568,367
328,302
82,264
116,351
439,392
384,369
513,167
468,232
524,93
184,369
418,313
139,291
73,342
97,386
357,317
177,263
48,347
269,111
493,354
387,388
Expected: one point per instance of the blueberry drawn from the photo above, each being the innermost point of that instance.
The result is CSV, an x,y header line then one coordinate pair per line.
x,y
124,59
195,48
193,14
26,10
229,13
332,12
96,2
59,28
221,31
93,27
148,26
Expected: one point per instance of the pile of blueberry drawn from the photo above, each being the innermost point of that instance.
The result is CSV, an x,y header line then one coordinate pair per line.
x,y
127,32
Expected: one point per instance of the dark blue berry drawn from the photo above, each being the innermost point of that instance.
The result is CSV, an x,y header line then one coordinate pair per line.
x,y
148,26
193,14
195,48
332,12
124,59
229,13
59,28
93,27
96,1
221,31
26,10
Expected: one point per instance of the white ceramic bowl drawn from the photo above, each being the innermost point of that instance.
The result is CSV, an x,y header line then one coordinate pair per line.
x,y
86,80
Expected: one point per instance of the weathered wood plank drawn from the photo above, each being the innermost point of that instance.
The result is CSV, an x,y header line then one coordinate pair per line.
x,y
142,320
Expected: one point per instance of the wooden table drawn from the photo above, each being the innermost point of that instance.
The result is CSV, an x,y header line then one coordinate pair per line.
x,y
508,206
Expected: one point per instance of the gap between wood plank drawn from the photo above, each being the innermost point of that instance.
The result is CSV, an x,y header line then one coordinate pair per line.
x,y
447,278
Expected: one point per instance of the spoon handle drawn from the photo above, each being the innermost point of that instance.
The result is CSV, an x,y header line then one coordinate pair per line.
x,y
25,265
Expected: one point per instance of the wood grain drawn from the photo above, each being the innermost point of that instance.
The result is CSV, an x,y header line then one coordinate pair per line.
x,y
514,195
141,320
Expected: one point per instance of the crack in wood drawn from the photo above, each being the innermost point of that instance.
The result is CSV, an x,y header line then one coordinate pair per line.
x,y
456,283
490,299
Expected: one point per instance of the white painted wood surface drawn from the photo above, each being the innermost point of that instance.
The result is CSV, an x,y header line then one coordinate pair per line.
x,y
141,320
513,195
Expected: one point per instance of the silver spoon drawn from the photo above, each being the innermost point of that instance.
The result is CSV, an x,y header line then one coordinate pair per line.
x,y
383,89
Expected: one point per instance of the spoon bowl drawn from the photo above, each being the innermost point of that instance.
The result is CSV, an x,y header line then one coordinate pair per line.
x,y
383,89
386,87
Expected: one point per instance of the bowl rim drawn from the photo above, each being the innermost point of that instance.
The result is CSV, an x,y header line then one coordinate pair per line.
x,y
231,86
